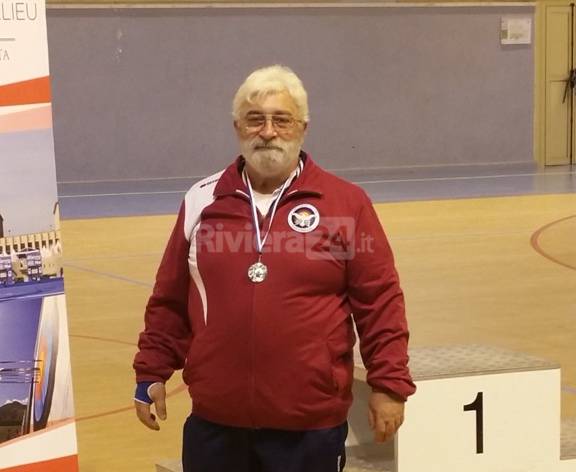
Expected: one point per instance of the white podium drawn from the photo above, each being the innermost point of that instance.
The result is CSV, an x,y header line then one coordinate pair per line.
x,y
477,409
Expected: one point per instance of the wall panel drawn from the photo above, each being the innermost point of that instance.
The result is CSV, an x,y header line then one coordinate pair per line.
x,y
142,93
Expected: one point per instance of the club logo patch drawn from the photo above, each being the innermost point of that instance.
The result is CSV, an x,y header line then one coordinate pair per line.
x,y
304,218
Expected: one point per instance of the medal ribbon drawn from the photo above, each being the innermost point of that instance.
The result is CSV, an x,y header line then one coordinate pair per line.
x,y
262,241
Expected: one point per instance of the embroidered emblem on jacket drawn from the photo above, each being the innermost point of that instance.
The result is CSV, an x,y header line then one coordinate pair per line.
x,y
304,218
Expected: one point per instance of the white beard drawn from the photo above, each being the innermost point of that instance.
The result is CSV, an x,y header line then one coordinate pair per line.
x,y
273,158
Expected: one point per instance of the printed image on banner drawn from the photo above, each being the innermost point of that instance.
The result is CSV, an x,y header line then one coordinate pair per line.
x,y
37,427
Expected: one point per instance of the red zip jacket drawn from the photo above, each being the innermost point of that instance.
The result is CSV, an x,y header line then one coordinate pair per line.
x,y
276,354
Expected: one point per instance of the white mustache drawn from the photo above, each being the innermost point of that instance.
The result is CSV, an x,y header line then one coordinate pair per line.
x,y
259,146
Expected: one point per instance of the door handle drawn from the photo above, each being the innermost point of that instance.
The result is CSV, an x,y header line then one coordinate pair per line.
x,y
570,84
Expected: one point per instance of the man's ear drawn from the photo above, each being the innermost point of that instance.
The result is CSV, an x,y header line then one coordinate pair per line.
x,y
237,128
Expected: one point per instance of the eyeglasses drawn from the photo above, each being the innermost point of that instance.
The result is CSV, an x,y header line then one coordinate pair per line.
x,y
253,123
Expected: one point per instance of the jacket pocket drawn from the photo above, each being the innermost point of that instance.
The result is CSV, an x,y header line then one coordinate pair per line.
x,y
331,369
195,356
341,369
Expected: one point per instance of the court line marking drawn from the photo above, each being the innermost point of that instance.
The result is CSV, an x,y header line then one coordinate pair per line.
x,y
349,170
171,393
473,177
130,179
108,274
128,194
535,243
113,256
357,182
458,235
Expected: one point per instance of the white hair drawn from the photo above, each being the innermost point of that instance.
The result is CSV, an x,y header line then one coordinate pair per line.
x,y
269,80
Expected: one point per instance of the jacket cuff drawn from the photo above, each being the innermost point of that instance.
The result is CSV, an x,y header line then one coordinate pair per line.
x,y
390,393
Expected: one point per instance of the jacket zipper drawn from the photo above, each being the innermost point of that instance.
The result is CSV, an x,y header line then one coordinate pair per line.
x,y
288,196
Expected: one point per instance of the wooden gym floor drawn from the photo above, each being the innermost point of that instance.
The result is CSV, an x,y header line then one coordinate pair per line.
x,y
499,271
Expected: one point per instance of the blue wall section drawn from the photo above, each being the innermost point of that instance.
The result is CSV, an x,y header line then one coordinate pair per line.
x,y
146,93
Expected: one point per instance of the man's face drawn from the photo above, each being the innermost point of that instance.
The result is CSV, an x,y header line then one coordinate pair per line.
x,y
270,135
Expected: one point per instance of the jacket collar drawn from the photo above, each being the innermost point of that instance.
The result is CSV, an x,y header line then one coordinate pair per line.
x,y
231,182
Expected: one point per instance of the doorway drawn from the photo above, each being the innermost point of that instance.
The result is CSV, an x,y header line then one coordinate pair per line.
x,y
560,73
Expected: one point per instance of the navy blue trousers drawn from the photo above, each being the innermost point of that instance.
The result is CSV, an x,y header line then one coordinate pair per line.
x,y
210,447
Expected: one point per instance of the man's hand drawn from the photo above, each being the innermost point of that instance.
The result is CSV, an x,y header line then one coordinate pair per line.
x,y
157,393
385,414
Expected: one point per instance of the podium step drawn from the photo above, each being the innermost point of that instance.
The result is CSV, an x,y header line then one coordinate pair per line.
x,y
568,439
370,457
462,361
169,465
357,465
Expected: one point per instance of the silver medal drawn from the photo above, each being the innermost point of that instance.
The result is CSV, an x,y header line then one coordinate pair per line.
x,y
257,272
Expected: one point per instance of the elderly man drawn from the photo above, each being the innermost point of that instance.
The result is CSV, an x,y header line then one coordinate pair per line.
x,y
269,265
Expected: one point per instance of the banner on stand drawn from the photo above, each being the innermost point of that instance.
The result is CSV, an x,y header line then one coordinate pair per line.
x,y
37,427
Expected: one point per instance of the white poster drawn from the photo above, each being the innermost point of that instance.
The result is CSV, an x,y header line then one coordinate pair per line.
x,y
514,30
